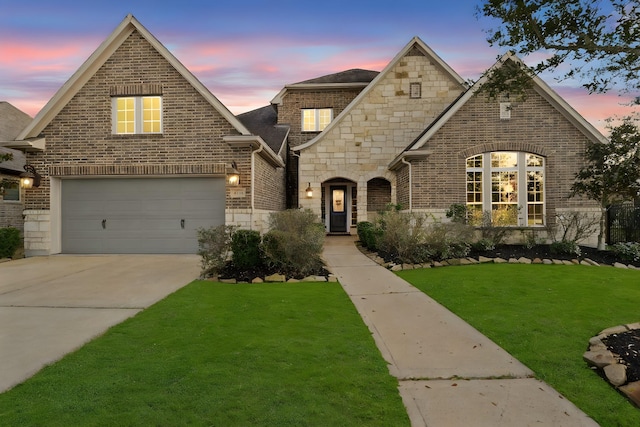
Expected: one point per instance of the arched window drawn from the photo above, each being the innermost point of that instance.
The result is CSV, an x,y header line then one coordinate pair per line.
x,y
509,185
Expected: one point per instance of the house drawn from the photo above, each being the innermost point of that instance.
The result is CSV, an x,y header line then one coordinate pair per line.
x,y
136,154
12,121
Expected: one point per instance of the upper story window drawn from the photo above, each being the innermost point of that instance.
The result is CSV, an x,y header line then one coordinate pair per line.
x,y
316,119
10,190
137,114
509,185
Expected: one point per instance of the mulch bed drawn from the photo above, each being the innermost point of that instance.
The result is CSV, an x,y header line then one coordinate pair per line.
x,y
626,345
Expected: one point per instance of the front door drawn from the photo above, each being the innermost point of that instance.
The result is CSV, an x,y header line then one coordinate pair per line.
x,y
338,211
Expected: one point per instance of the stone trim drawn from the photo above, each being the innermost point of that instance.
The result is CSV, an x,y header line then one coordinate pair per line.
x,y
526,147
140,169
149,89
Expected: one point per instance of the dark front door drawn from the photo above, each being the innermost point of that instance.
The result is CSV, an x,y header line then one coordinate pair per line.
x,y
338,213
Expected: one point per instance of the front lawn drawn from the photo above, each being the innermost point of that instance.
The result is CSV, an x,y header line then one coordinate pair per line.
x,y
221,355
544,316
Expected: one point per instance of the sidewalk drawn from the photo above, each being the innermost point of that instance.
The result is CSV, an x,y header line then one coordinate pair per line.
x,y
449,373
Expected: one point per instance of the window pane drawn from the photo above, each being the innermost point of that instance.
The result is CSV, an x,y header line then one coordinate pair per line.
x,y
475,161
534,161
125,115
324,118
151,113
308,120
504,160
11,191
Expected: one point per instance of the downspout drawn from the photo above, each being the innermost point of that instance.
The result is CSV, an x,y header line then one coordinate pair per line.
x,y
293,153
410,184
253,179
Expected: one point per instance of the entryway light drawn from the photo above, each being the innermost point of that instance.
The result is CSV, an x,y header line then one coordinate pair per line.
x,y
233,176
29,178
309,191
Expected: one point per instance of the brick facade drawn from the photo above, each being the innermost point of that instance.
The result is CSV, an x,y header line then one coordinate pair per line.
x,y
535,127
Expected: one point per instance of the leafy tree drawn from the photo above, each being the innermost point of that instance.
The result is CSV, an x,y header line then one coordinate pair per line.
x,y
597,41
612,170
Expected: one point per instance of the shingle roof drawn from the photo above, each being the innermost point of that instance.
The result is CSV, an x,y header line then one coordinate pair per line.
x,y
355,75
12,121
263,122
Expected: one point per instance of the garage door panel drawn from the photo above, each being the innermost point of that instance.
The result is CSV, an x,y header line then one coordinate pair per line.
x,y
140,215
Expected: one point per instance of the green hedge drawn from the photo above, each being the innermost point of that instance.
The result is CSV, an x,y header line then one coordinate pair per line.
x,y
9,241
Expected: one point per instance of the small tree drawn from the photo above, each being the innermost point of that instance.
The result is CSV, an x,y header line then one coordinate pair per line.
x,y
612,171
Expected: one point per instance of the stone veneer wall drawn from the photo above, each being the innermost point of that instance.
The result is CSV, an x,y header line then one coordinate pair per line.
x,y
378,128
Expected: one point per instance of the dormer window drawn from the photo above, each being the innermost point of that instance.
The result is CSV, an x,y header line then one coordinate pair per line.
x,y
137,114
316,119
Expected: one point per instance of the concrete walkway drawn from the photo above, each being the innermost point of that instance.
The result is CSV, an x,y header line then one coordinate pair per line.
x,y
449,373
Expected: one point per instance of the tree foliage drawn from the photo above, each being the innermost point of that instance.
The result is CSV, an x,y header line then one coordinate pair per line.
x,y
612,170
596,41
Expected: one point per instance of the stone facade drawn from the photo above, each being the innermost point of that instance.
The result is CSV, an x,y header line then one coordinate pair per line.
x,y
379,127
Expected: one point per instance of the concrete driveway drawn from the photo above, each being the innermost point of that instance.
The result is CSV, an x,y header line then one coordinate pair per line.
x,y
50,306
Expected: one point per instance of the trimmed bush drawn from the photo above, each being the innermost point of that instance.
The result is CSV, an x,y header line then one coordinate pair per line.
x,y
214,245
565,247
9,241
294,243
629,251
368,234
402,236
245,248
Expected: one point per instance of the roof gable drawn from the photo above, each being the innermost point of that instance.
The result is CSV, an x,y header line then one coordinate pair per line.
x,y
98,58
539,86
415,47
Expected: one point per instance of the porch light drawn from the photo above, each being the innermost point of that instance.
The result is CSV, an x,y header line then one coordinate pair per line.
x,y
309,191
29,178
233,176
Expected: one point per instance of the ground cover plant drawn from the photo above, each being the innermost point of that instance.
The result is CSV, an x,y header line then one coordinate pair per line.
x,y
222,355
544,316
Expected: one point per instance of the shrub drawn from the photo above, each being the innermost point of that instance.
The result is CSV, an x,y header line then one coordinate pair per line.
x,y
565,247
449,240
245,248
402,236
368,234
629,251
294,243
484,245
9,241
458,213
214,244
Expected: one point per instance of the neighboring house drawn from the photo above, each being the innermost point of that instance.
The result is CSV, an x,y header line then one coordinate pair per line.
x,y
134,151
12,121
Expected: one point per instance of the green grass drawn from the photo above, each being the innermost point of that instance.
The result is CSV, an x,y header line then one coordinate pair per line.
x,y
221,355
544,316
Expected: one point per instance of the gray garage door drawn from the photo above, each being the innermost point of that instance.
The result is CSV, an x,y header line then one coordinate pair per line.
x,y
139,215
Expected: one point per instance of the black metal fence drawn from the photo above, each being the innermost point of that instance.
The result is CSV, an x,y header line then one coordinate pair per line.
x,y
623,224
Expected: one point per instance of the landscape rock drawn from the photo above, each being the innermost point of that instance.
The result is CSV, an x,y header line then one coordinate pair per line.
x,y
592,262
616,374
632,391
557,261
499,260
275,278
547,261
232,281
599,359
484,259
513,261
396,267
523,260
619,265
614,330
567,262
292,280
332,278
257,280
537,261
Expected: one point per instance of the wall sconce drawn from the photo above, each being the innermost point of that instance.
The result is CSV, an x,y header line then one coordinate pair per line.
x,y
29,178
233,176
309,191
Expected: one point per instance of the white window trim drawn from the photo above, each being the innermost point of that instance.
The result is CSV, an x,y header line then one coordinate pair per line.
x,y
316,119
138,121
415,90
522,170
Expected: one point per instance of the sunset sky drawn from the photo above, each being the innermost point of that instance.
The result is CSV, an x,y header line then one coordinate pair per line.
x,y
246,51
